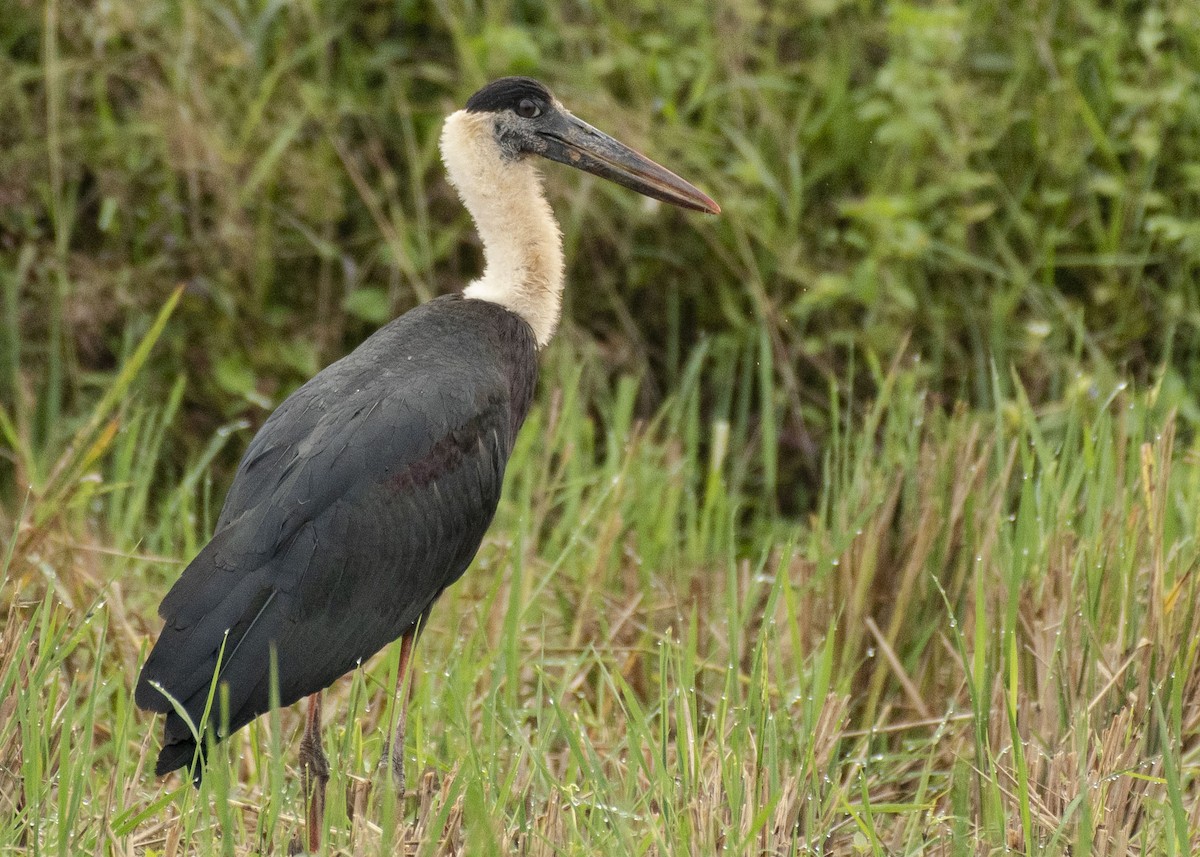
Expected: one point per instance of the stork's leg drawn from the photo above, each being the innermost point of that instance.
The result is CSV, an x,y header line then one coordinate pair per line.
x,y
314,772
403,692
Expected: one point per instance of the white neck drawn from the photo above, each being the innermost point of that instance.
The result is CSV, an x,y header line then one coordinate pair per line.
x,y
522,246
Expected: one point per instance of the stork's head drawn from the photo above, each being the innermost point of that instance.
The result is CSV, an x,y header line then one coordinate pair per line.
x,y
521,118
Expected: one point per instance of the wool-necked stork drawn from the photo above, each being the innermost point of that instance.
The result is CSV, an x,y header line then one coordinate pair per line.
x,y
368,491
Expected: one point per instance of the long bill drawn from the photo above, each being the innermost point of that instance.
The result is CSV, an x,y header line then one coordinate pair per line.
x,y
573,142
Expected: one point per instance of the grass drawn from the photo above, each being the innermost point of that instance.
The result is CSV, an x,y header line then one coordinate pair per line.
x,y
984,639
860,520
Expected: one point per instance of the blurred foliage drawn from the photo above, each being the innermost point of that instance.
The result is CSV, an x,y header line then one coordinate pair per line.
x,y
969,185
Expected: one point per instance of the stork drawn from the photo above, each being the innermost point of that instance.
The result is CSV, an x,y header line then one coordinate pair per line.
x,y
368,491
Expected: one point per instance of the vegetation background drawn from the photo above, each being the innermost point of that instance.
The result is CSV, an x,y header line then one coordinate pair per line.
x,y
861,519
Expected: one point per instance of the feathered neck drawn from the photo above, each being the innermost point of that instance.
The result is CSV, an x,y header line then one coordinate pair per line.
x,y
522,245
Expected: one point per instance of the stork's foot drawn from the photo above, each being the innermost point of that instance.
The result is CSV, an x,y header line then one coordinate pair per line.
x,y
396,753
314,773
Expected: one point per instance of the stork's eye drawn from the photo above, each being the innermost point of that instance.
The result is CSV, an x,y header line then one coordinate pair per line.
x,y
529,109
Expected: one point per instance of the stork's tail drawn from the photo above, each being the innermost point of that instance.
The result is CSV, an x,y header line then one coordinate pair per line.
x,y
179,750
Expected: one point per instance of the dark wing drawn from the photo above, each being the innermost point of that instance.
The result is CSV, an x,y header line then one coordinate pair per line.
x,y
360,499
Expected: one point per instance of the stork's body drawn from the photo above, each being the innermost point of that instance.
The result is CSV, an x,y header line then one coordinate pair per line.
x,y
363,496
370,488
